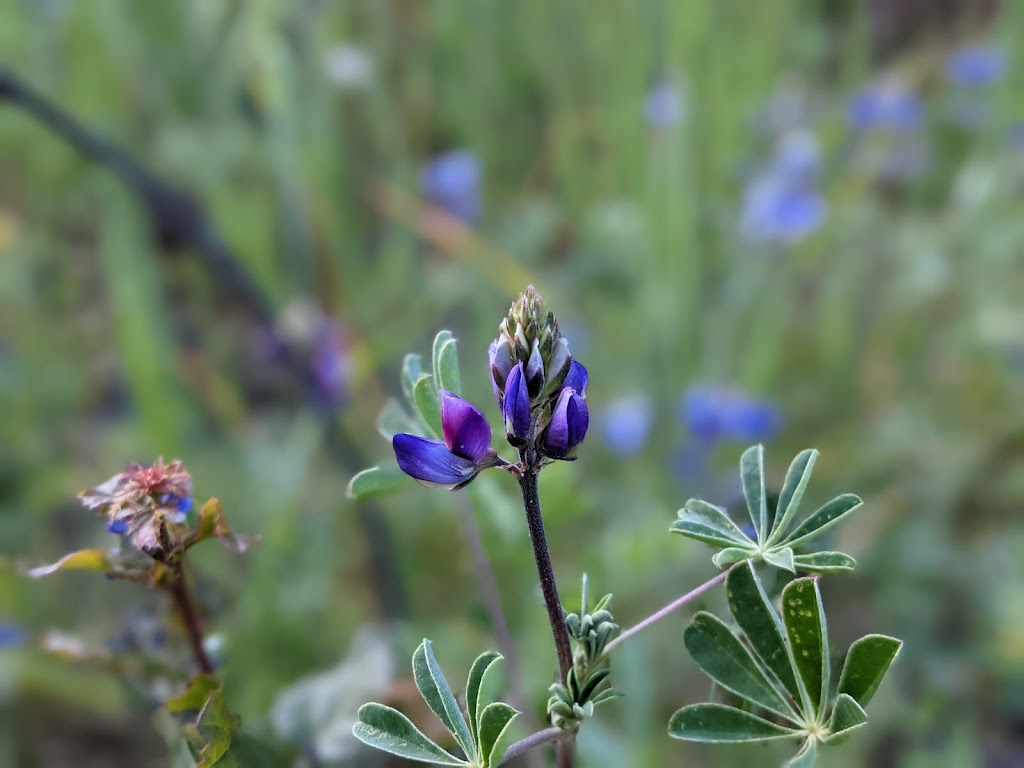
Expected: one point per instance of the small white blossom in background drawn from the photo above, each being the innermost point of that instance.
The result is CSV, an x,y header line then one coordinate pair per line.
x,y
348,67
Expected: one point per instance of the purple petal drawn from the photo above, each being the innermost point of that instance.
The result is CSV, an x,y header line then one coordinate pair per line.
x,y
499,357
516,405
466,432
576,378
568,427
430,462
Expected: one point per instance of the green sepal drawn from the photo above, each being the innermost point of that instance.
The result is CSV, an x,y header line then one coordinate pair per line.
x,y
824,562
804,617
427,403
718,723
781,559
446,363
866,664
797,477
847,715
376,481
390,731
828,515
495,720
436,692
726,660
752,474
754,613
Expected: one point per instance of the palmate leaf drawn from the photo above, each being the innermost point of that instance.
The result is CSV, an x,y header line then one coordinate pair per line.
x,y
781,559
731,555
436,692
726,660
804,617
390,731
718,723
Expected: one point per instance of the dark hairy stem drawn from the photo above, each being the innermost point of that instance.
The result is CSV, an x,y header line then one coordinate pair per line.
x,y
535,523
182,601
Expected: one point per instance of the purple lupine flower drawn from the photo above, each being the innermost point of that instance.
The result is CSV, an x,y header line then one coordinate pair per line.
x,y
577,378
454,463
885,106
663,106
452,181
501,362
976,66
751,421
626,424
568,425
515,407
701,409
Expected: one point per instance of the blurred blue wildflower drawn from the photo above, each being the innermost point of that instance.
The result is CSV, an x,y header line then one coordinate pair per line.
x,y
12,634
664,106
713,414
885,106
118,527
797,156
452,181
976,66
776,209
331,362
626,424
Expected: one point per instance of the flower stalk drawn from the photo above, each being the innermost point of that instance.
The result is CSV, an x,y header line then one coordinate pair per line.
x,y
182,601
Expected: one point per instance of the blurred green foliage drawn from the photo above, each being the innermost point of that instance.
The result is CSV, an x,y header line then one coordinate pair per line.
x,y
889,337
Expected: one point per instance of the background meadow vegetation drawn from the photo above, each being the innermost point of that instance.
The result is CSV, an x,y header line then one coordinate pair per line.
x,y
791,221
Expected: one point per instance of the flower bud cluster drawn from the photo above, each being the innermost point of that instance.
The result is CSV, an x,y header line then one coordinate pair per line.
x,y
585,687
540,388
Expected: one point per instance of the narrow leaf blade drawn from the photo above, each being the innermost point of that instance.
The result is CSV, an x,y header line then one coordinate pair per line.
x,y
725,659
702,531
828,515
376,481
446,365
495,720
865,666
701,511
412,369
439,697
752,474
427,402
847,715
804,617
797,477
824,562
390,731
753,612
718,723
781,558
474,687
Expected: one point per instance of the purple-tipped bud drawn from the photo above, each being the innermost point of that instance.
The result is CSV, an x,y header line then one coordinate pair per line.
x,y
568,425
501,361
535,371
577,378
515,407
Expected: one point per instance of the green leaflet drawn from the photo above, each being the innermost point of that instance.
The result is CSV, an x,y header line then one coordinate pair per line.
x,y
446,363
427,403
495,720
797,478
474,688
438,695
390,731
718,723
866,664
847,715
824,518
752,475
376,481
804,617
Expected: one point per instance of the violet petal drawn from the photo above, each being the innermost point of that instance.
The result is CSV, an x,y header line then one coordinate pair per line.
x,y
516,405
576,378
568,426
430,462
466,432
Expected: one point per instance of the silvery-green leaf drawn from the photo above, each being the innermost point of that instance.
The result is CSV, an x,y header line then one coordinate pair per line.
x,y
446,363
847,715
701,511
427,402
806,757
376,481
412,369
495,720
718,723
390,731
726,660
436,692
824,562
866,664
732,555
393,419
754,613
703,531
804,617
824,518
474,688
793,488
752,474
781,558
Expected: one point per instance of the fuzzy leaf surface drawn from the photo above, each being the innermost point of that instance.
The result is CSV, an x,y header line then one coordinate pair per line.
x,y
866,664
797,478
824,562
804,617
718,723
847,715
427,403
828,515
806,757
474,687
390,731
495,720
446,363
752,475
439,697
376,481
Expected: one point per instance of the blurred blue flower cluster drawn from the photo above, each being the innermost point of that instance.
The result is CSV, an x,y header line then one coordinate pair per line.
x,y
976,66
712,413
451,181
626,424
664,106
782,203
885,106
